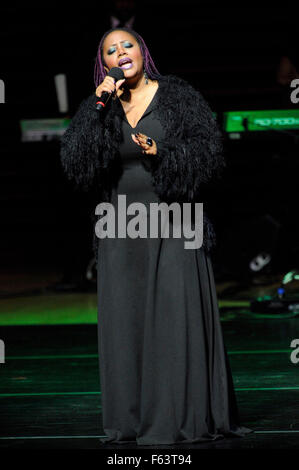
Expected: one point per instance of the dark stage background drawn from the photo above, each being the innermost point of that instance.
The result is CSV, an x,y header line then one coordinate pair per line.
x,y
231,54
240,58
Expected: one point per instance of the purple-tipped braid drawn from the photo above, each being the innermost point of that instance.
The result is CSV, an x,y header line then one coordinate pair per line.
x,y
148,63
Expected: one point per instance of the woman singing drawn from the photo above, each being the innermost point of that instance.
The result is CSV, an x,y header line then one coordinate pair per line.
x,y
165,376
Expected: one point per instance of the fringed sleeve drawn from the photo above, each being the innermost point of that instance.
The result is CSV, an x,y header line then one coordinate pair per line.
x,y
194,156
81,144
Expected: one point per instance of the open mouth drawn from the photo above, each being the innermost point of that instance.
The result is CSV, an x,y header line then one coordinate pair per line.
x,y
125,63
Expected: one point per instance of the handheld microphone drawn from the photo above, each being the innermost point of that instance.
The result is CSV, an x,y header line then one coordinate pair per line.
x,y
116,73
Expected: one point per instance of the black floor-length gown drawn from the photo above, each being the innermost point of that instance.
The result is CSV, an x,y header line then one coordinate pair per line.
x,y
164,373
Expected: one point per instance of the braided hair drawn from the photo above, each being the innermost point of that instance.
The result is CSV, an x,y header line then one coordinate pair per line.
x,y
148,63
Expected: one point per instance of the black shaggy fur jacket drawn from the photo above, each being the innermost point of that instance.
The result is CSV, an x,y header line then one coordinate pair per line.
x,y
189,158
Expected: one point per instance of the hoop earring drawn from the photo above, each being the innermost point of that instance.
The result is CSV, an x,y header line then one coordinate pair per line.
x,y
145,76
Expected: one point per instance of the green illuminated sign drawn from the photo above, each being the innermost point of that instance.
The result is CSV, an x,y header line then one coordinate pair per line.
x,y
43,129
235,121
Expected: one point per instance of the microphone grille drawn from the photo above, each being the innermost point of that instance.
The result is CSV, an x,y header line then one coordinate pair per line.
x,y
116,73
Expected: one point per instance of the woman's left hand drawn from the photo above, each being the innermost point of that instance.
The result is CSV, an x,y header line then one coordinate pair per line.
x,y
140,139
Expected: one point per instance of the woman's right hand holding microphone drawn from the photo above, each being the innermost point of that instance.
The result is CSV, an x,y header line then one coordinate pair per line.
x,y
108,85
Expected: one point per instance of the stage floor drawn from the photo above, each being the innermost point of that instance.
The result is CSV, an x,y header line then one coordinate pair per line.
x,y
50,394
